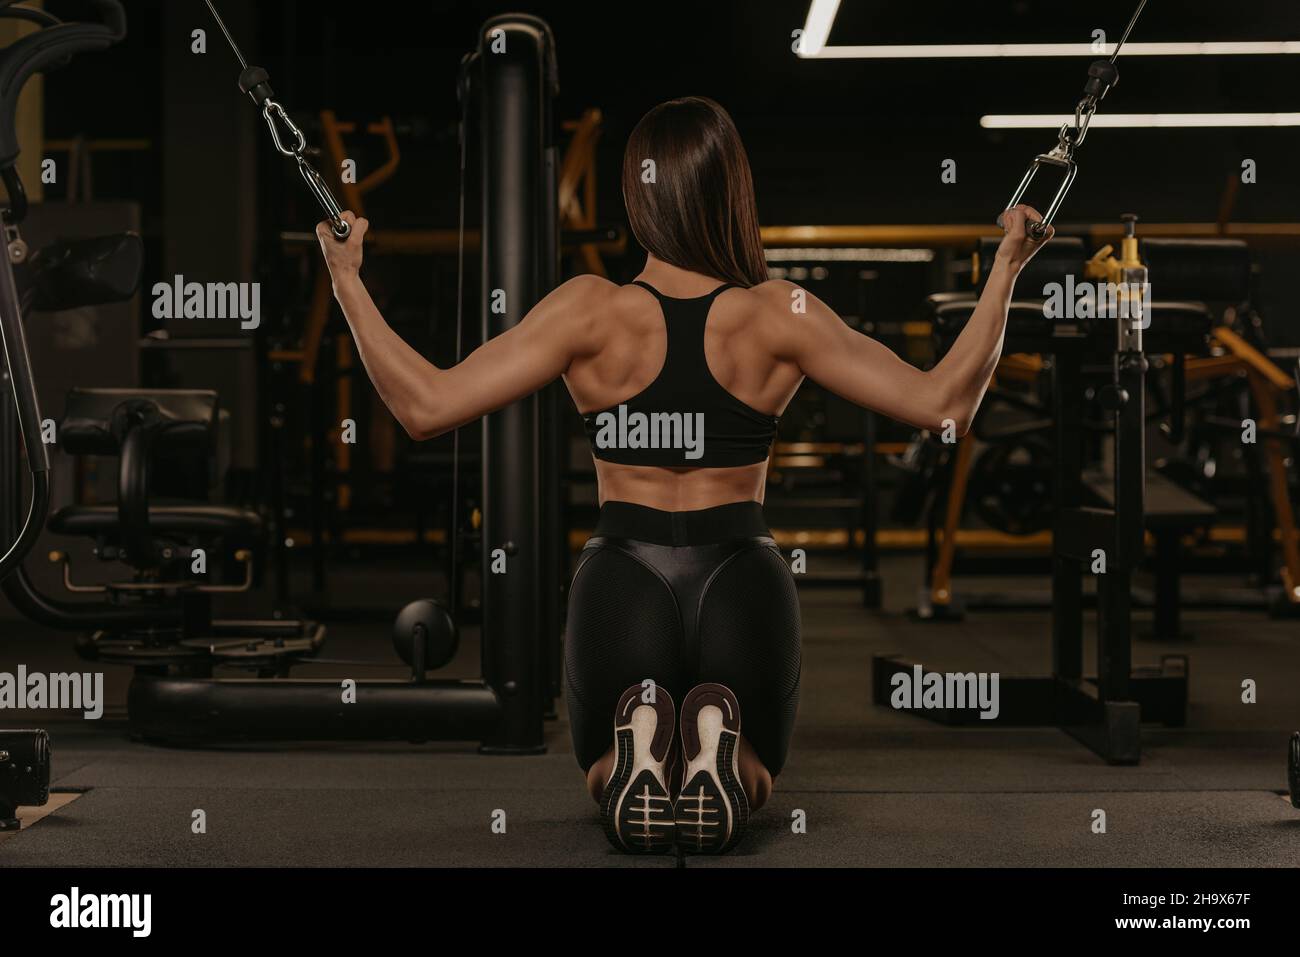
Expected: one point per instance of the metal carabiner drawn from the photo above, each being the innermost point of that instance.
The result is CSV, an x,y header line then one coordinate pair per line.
x,y
1082,119
270,111
1061,157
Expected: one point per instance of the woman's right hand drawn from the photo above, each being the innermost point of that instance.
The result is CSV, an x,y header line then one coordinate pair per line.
x,y
1018,246
343,259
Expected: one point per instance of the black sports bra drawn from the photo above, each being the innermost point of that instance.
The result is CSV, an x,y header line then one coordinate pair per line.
x,y
684,418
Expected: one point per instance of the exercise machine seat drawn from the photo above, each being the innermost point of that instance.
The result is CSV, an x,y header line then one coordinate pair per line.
x,y
1175,326
1166,505
950,311
82,272
101,521
96,421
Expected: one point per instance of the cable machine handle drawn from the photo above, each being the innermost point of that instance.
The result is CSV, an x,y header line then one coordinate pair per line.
x,y
1102,75
1038,230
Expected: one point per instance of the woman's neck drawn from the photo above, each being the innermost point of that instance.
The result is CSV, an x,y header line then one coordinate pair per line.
x,y
675,281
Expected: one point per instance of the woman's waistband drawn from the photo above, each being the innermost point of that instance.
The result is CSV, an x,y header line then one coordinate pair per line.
x,y
706,526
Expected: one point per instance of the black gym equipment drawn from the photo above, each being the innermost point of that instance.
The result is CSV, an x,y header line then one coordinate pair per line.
x,y
1104,712
1181,486
25,755
24,774
44,49
85,272
512,92
424,635
1011,485
161,616
160,619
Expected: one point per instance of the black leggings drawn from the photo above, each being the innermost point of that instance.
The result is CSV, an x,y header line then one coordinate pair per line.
x,y
682,598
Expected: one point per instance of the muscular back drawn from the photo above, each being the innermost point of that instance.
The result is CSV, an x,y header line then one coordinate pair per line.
x,y
626,344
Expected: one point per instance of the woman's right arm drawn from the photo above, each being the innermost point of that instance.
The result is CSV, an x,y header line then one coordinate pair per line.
x,y
863,371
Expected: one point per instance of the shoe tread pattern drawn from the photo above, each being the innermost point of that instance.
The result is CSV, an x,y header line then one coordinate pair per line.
x,y
637,813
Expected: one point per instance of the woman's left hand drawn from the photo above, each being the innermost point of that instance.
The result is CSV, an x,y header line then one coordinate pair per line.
x,y
343,258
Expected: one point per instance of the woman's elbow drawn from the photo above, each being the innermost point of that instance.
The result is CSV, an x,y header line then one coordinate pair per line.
x,y
422,432
948,427
422,422
959,420
416,432
950,414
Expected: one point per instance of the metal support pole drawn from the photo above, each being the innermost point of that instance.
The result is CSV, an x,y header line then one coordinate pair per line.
x,y
515,85
1067,492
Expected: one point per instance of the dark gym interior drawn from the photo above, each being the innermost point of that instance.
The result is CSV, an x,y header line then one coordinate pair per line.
x,y
1147,711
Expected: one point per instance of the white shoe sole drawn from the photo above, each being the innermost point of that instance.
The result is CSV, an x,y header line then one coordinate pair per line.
x,y
711,811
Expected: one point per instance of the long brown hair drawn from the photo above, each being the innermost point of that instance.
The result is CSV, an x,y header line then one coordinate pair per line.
x,y
689,192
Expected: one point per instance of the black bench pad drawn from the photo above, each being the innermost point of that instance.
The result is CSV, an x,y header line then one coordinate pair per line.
x,y
1168,505
97,520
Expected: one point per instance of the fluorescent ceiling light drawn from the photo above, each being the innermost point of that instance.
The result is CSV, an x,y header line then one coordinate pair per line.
x,y
1164,120
821,14
955,50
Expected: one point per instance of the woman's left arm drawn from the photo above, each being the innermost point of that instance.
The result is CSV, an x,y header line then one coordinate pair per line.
x,y
429,401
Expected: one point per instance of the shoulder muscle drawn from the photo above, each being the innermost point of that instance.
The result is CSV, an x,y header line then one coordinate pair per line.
x,y
571,310
797,319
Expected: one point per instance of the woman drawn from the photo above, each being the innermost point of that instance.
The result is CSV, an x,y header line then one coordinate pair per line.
x,y
681,594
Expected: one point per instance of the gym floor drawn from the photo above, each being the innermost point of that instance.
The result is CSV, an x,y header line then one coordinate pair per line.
x,y
878,788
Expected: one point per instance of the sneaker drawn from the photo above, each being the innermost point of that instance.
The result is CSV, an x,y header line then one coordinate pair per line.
x,y
712,810
635,806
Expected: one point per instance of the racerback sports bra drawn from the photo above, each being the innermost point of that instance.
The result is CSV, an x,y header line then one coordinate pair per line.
x,y
684,418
